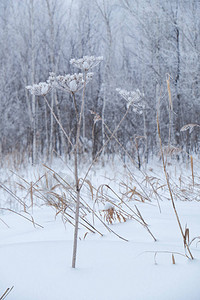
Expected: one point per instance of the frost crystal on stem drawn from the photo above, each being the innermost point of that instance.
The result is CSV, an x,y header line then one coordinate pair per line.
x,y
39,89
87,62
70,83
133,98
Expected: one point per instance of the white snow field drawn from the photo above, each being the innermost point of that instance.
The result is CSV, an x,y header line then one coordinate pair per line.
x,y
37,261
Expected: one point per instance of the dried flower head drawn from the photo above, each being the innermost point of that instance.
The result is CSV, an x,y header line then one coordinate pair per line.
x,y
87,62
39,89
133,98
69,83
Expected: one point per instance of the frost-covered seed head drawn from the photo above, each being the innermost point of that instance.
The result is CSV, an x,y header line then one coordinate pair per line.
x,y
87,62
133,98
70,83
39,89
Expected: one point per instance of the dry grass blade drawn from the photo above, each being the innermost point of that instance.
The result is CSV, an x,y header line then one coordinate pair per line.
x,y
32,220
6,293
13,195
195,238
4,223
173,259
187,236
90,186
21,186
85,235
139,214
55,186
166,252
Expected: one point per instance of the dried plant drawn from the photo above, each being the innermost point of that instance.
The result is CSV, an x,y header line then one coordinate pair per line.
x,y
71,84
121,207
111,215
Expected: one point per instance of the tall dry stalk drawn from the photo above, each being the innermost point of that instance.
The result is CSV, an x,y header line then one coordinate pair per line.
x,y
186,244
76,176
78,128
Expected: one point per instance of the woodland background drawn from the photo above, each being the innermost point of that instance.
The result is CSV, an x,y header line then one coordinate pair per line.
x,y
144,43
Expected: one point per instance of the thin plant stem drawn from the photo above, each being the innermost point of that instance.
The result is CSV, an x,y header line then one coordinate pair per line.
x,y
78,188
170,191
105,144
75,105
51,109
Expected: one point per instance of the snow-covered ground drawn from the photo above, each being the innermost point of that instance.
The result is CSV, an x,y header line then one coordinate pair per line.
x,y
37,261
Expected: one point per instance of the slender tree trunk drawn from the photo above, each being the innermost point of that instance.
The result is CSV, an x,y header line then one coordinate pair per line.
x,y
47,133
103,118
145,136
178,100
34,151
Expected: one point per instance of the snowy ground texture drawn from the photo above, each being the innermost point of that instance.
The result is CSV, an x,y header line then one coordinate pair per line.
x,y
37,261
